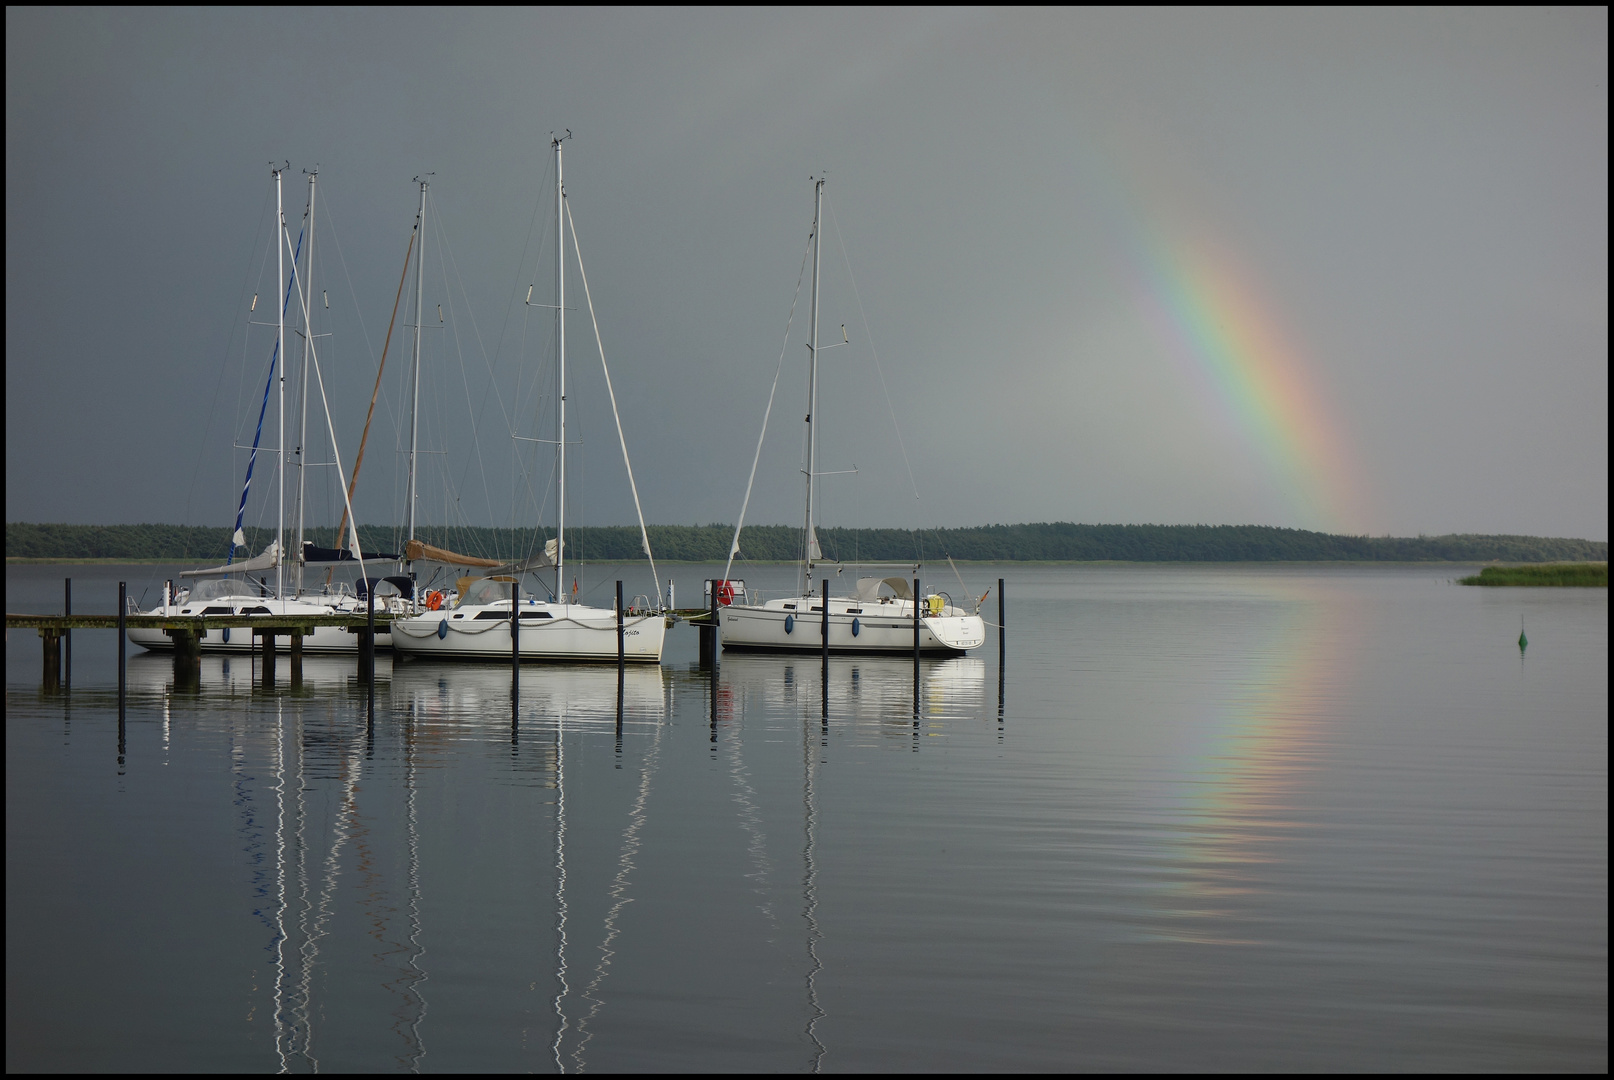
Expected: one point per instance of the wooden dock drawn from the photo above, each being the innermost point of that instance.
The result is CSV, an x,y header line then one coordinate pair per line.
x,y
186,630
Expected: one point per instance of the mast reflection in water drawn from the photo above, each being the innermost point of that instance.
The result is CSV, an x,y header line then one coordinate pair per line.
x,y
1282,817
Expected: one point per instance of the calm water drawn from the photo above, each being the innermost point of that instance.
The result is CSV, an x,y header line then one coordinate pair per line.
x,y
1270,818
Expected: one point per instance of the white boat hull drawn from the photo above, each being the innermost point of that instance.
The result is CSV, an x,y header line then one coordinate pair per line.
x,y
241,639
871,628
549,632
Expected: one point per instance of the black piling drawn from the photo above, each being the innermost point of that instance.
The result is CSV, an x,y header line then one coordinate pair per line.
x,y
296,659
1002,648
515,658
917,600
52,640
187,660
67,635
123,658
515,638
266,637
621,640
708,630
823,681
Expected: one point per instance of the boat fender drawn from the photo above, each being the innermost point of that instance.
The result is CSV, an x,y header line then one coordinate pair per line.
x,y
442,629
226,635
855,627
790,623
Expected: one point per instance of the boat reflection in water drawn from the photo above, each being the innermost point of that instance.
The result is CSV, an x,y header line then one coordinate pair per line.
x,y
552,694
866,693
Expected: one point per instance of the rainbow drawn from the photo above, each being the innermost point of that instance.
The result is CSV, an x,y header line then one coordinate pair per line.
x,y
1220,328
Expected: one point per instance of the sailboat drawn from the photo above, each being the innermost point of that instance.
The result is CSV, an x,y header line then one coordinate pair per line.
x,y
482,621
880,616
228,589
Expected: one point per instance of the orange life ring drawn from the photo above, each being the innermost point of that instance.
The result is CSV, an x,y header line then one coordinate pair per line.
x,y
725,593
434,600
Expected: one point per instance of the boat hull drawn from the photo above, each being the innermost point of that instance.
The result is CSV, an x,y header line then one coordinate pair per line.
x,y
568,635
765,629
241,639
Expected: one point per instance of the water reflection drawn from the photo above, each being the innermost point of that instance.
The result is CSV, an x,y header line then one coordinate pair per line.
x,y
869,697
1247,758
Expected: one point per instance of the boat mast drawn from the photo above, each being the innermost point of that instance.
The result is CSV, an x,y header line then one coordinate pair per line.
x,y
560,312
308,337
280,514
420,330
808,540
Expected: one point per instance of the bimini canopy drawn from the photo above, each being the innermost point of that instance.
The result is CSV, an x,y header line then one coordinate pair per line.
x,y
868,588
266,561
404,585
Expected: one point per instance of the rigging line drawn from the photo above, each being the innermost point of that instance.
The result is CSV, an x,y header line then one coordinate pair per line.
x,y
476,440
313,355
218,387
358,310
834,221
644,534
470,312
734,546
872,350
522,265
358,462
274,357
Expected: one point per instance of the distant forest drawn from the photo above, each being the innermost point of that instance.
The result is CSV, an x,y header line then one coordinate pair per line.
x,y
1050,542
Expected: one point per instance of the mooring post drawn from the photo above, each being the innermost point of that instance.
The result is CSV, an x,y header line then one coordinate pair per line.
x,y
51,638
67,635
123,655
1003,649
187,659
917,600
709,635
367,639
267,634
621,637
515,637
825,624
296,658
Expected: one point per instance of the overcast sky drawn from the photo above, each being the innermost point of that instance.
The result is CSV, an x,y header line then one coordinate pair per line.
x,y
1344,270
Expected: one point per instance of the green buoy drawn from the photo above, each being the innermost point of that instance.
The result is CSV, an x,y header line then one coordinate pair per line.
x,y
1524,642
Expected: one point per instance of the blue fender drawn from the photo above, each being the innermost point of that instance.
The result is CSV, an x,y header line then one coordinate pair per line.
x,y
790,623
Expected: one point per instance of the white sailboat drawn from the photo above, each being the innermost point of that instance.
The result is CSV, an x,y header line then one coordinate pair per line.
x,y
479,625
227,589
880,617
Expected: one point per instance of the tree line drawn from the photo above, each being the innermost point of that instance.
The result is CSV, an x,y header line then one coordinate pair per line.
x,y
1043,542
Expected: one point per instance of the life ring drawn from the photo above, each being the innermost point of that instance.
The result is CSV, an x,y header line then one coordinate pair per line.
x,y
434,600
725,593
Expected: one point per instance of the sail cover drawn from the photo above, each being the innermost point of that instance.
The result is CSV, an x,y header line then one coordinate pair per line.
x,y
315,554
537,562
265,561
415,551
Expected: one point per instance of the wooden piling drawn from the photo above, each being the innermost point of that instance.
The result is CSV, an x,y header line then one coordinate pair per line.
x,y
1002,647
515,637
916,601
367,641
296,658
67,635
123,651
825,624
267,636
52,640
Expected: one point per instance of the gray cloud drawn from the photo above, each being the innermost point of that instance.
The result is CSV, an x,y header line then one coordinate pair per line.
x,y
1418,200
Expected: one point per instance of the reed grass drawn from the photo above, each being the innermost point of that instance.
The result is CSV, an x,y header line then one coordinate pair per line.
x,y
1570,575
